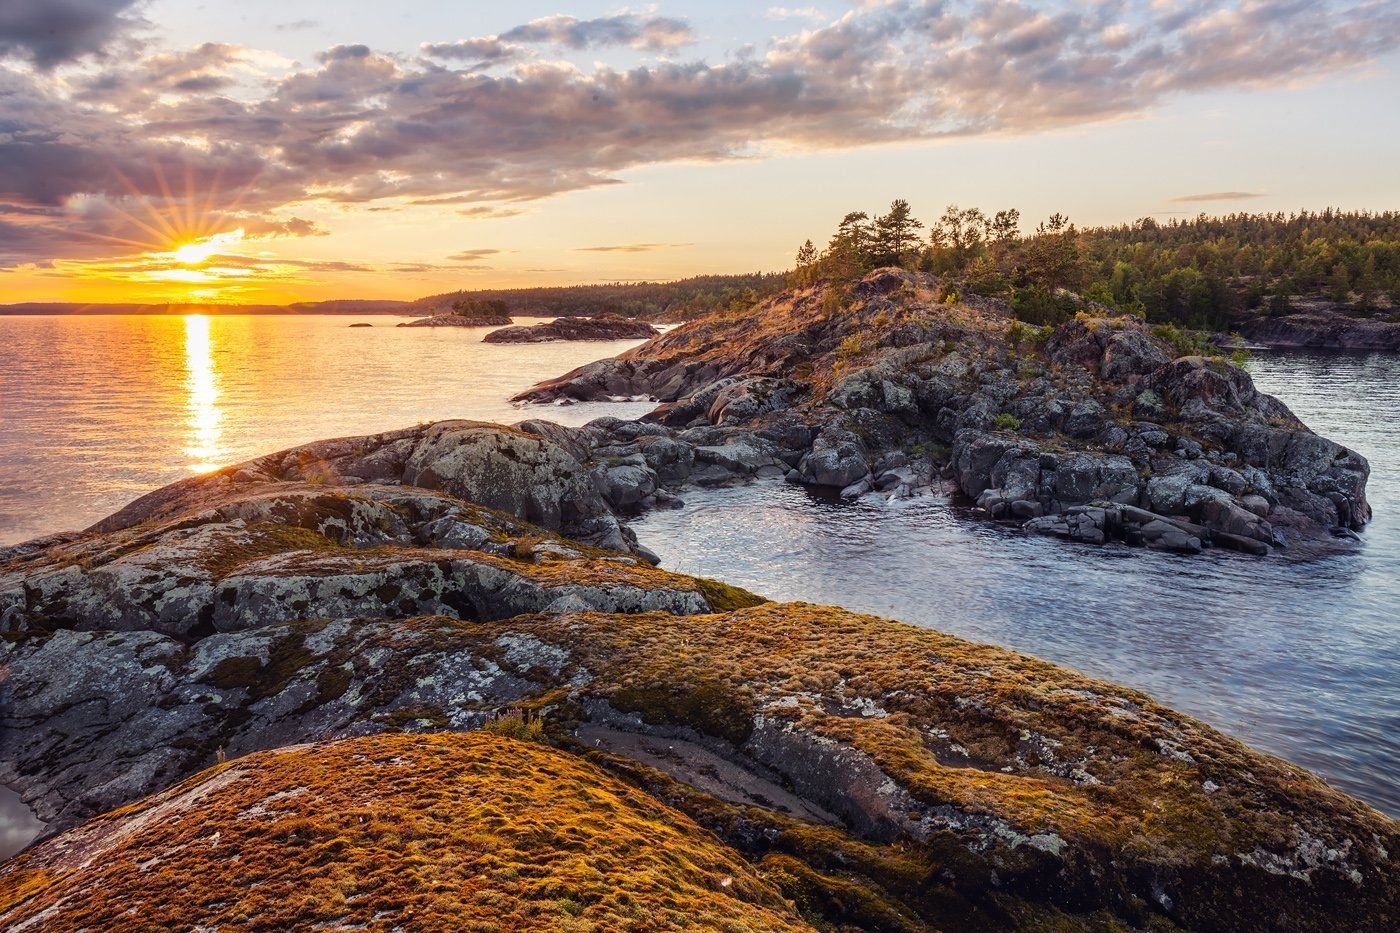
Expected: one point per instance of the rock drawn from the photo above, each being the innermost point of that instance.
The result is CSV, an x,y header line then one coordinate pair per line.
x,y
838,458
856,489
575,328
1161,535
1256,504
1080,523
1085,420
1131,356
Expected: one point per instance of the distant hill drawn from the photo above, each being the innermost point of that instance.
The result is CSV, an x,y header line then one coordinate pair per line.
x,y
665,301
341,306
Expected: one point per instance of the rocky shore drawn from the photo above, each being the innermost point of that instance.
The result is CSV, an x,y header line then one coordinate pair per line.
x,y
451,689
1319,325
1093,431
575,328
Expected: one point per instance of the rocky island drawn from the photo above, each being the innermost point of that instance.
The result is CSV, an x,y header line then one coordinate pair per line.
x,y
466,312
375,651
1101,428
605,327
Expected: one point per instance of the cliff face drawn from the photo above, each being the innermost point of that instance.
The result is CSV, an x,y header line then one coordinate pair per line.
x,y
1099,429
659,750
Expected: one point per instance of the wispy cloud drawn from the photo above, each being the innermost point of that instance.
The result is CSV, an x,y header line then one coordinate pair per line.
x,y
1218,196
807,12
472,255
631,248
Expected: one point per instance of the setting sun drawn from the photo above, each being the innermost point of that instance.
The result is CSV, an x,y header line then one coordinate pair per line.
x,y
199,251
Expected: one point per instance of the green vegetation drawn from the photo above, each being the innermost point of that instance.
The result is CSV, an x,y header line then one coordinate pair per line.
x,y
681,300
1201,273
1007,422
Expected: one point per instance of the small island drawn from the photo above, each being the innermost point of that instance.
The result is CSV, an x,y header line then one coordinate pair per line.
x,y
605,327
467,312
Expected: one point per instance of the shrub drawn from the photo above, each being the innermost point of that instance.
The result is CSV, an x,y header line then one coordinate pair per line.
x,y
1007,422
515,727
1183,342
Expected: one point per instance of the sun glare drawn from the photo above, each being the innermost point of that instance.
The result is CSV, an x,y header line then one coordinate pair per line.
x,y
205,417
199,251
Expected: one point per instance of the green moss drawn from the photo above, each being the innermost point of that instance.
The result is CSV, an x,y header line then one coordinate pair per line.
x,y
235,673
417,716
721,597
707,706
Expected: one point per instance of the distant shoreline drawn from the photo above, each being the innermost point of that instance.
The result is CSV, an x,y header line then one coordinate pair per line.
x,y
344,307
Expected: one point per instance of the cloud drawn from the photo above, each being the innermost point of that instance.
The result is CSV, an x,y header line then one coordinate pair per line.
x,y
1218,196
297,25
110,160
484,51
472,255
806,12
631,248
51,32
650,33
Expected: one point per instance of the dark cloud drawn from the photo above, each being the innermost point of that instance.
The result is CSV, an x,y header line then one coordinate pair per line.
x,y
1218,196
91,157
631,248
651,33
486,51
51,32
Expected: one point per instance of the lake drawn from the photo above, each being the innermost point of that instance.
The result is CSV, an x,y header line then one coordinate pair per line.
x,y
1297,658
95,411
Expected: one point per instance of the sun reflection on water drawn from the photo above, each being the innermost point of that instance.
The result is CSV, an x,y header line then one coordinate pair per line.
x,y
205,417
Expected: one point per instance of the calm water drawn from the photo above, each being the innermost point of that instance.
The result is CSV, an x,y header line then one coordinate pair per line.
x,y
96,411
1300,659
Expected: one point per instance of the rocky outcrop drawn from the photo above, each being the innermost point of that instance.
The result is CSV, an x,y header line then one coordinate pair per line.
x,y
871,774
453,319
575,328
885,385
1319,325
511,470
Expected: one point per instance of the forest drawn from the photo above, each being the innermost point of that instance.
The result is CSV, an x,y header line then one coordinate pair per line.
x,y
660,301
1205,272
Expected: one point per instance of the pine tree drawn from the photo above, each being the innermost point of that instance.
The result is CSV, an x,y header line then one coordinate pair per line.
x,y
895,234
806,255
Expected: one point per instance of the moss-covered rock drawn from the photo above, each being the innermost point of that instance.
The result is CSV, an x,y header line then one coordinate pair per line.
x,y
448,832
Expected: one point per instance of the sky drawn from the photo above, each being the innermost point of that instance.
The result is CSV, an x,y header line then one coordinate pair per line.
x,y
270,151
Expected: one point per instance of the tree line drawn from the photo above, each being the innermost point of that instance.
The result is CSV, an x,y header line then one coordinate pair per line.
x,y
1203,272
679,300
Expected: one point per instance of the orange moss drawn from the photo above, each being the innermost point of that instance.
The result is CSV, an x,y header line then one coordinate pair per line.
x,y
448,832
